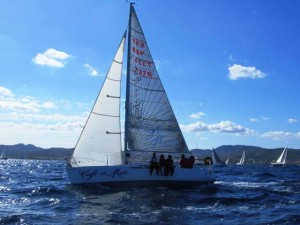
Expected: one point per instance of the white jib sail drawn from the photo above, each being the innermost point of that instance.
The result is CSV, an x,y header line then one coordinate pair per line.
x,y
100,140
282,157
243,158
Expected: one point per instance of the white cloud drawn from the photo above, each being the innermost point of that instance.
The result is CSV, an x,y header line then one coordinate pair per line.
x,y
51,58
281,135
291,120
264,118
6,92
231,58
157,63
261,118
25,119
48,105
230,127
24,104
91,71
42,117
238,71
195,127
197,115
42,127
43,135
222,127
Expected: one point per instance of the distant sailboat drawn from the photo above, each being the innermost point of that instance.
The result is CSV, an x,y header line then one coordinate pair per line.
x,y
241,162
282,158
227,160
216,159
3,155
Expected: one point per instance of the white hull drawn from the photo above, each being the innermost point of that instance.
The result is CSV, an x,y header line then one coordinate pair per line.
x,y
130,175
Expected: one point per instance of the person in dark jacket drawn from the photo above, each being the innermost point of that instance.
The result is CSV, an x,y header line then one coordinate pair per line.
x,y
191,162
169,166
162,164
154,164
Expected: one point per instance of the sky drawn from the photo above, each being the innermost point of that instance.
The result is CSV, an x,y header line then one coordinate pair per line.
x,y
231,69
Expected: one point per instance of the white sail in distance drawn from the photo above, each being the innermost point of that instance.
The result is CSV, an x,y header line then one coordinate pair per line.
x,y
282,157
241,162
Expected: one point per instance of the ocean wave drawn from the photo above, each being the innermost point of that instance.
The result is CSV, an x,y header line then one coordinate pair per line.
x,y
38,192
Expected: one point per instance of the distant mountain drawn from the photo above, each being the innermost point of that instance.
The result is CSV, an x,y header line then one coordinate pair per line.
x,y
21,151
254,154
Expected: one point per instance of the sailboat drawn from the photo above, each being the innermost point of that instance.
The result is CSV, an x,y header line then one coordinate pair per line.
x,y
150,126
227,160
282,158
3,155
216,159
242,160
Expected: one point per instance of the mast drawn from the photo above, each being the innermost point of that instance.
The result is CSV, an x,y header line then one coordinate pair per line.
x,y
127,82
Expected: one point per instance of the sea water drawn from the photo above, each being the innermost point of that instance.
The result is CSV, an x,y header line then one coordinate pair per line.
x,y
38,192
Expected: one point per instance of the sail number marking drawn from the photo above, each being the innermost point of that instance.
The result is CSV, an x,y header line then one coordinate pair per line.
x,y
138,42
140,67
137,51
142,62
142,72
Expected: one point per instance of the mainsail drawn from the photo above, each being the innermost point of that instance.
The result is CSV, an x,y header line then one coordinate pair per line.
x,y
241,162
150,121
216,159
100,140
3,155
282,157
227,160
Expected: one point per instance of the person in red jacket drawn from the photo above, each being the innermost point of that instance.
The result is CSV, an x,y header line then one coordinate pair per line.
x,y
183,162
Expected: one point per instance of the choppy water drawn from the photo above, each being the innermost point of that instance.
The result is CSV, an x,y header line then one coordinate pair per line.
x,y
38,192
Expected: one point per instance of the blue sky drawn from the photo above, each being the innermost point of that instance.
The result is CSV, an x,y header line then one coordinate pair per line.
x,y
231,68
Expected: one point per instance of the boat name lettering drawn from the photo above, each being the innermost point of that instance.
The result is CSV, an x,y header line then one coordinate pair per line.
x,y
88,174
118,172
